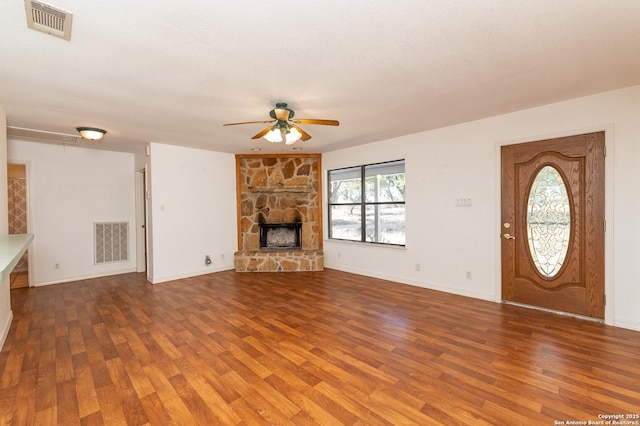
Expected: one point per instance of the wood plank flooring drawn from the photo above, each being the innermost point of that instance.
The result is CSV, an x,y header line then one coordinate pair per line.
x,y
311,348
18,279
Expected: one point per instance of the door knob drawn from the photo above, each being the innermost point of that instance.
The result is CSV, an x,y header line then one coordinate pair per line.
x,y
509,237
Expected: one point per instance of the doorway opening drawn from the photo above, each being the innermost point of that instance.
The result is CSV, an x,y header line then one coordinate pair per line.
x,y
18,220
141,220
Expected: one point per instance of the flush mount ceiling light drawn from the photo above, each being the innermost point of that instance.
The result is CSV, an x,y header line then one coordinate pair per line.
x,y
91,133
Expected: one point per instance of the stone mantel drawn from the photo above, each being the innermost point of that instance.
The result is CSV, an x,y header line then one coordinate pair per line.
x,y
279,188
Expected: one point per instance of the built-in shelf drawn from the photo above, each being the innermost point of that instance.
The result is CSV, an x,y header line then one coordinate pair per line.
x,y
12,247
279,189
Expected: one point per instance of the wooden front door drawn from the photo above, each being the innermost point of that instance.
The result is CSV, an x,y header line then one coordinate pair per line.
x,y
553,224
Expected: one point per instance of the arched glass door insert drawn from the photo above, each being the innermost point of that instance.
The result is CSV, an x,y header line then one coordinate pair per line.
x,y
548,221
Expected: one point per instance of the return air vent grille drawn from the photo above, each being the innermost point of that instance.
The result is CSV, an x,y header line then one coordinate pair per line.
x,y
111,242
48,19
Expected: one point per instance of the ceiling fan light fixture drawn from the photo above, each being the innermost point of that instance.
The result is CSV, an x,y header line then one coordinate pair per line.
x,y
293,135
91,133
283,128
274,135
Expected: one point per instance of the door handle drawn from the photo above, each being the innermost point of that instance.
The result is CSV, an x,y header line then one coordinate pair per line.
x,y
509,237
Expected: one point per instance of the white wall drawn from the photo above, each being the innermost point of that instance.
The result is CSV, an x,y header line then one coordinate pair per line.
x,y
69,189
463,161
193,211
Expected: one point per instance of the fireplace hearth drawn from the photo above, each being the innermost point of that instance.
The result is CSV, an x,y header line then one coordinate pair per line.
x,y
280,236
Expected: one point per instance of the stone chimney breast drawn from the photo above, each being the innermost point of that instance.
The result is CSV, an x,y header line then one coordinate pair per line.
x,y
279,189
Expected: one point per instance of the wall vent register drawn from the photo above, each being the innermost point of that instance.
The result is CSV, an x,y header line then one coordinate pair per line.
x,y
111,242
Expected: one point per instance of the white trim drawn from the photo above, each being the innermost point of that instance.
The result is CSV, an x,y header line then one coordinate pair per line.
x,y
415,283
71,279
630,325
193,274
5,329
140,233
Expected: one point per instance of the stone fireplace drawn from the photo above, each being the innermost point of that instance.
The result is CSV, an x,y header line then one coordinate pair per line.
x,y
279,213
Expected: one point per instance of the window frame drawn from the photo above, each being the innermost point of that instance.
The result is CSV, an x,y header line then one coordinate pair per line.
x,y
363,203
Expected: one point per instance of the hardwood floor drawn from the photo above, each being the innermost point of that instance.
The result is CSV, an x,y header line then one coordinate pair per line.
x,y
303,348
18,279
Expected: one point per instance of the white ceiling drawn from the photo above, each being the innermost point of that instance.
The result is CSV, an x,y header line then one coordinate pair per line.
x,y
173,72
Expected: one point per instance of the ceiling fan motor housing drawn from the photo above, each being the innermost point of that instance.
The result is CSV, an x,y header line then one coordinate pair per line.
x,y
281,105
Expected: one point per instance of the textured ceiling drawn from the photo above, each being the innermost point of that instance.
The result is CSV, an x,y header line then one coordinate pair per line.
x,y
174,72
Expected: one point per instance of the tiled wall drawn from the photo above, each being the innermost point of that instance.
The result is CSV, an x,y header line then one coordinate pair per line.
x,y
17,196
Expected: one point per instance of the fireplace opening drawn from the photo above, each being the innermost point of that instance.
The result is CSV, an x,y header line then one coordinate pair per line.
x,y
280,236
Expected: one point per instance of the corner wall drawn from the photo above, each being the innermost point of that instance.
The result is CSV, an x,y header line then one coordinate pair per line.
x,y
69,189
193,211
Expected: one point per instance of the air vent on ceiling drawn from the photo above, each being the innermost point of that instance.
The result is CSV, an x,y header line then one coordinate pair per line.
x,y
48,19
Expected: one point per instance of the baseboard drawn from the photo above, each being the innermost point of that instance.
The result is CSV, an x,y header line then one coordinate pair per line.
x,y
630,325
5,329
191,274
84,277
415,283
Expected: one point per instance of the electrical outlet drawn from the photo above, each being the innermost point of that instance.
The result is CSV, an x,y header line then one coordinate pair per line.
x,y
222,256
56,265
418,267
339,254
468,275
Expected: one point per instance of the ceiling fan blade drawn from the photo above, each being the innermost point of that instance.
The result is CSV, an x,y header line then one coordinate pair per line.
x,y
263,132
305,136
249,122
316,121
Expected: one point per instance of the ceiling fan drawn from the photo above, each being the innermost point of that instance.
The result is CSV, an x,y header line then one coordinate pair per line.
x,y
283,127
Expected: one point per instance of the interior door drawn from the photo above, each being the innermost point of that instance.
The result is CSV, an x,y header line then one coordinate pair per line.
x,y
553,224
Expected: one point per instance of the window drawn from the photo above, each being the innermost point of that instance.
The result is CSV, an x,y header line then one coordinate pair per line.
x,y
366,203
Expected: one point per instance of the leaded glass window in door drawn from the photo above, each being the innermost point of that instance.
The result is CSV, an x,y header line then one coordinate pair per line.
x,y
548,221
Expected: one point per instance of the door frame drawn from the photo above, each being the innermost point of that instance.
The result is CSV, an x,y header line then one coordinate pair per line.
x,y
608,130
141,206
